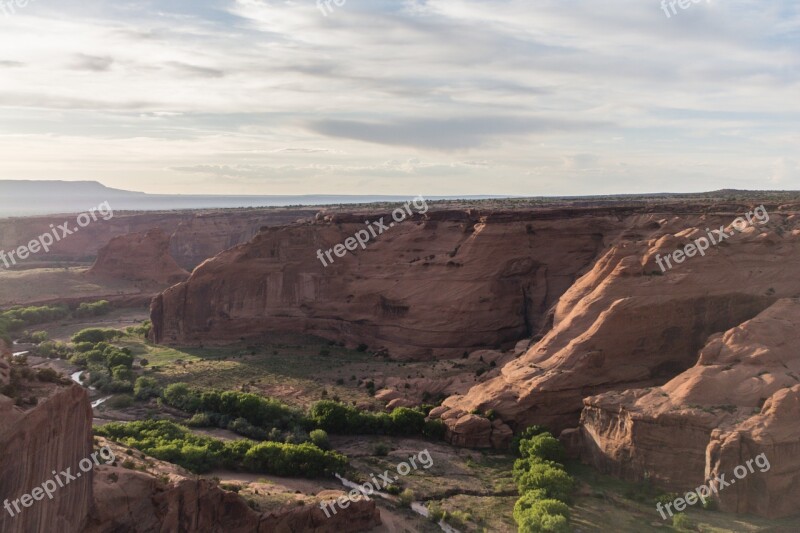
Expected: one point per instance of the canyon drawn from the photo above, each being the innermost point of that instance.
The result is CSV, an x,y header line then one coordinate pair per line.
x,y
561,314
584,284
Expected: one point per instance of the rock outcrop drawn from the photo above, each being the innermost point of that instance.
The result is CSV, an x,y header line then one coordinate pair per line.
x,y
742,399
139,257
136,502
53,436
626,325
195,236
431,286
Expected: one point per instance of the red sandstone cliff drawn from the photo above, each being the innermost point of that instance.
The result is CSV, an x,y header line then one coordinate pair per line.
x,y
742,399
195,236
136,502
621,327
139,257
436,285
54,435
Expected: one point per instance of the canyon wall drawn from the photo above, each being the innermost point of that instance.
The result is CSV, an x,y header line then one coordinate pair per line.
x,y
740,400
136,502
626,324
54,435
139,257
435,285
195,236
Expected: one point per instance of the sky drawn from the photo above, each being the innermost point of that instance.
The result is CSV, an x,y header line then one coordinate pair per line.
x,y
403,97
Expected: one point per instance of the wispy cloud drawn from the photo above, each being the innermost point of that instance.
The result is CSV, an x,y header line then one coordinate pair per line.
x,y
440,96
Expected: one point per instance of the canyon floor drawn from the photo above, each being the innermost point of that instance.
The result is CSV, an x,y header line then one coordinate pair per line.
x,y
299,369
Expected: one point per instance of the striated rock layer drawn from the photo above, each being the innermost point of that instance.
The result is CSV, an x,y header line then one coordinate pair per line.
x,y
135,502
55,435
625,324
741,400
195,236
430,286
139,257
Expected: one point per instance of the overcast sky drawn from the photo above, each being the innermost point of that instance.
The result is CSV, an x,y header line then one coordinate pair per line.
x,y
437,97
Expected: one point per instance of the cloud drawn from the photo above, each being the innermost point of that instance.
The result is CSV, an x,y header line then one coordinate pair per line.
x,y
92,63
445,134
524,97
196,71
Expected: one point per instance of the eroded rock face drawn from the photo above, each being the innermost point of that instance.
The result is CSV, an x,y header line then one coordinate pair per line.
x,y
55,435
139,257
741,399
206,234
135,502
623,326
195,236
438,285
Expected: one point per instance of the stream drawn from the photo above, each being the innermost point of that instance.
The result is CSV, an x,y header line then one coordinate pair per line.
x,y
76,377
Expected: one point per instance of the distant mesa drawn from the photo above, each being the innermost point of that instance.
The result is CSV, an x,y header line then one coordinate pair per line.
x,y
139,257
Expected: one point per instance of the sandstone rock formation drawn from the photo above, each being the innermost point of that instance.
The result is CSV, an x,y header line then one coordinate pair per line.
x,y
626,325
194,236
741,399
430,286
136,502
139,257
54,435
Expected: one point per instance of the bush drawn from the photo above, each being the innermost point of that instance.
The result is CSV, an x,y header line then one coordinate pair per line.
x,y
121,401
140,331
174,443
535,502
406,497
53,350
407,421
434,429
435,512
85,309
38,337
293,459
554,481
121,373
544,523
96,335
48,375
320,439
543,446
82,347
681,522
200,420
146,388
381,449
527,433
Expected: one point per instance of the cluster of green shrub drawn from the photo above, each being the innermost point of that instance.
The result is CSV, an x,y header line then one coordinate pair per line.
x,y
142,330
262,418
544,486
176,444
18,318
340,418
110,367
86,309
